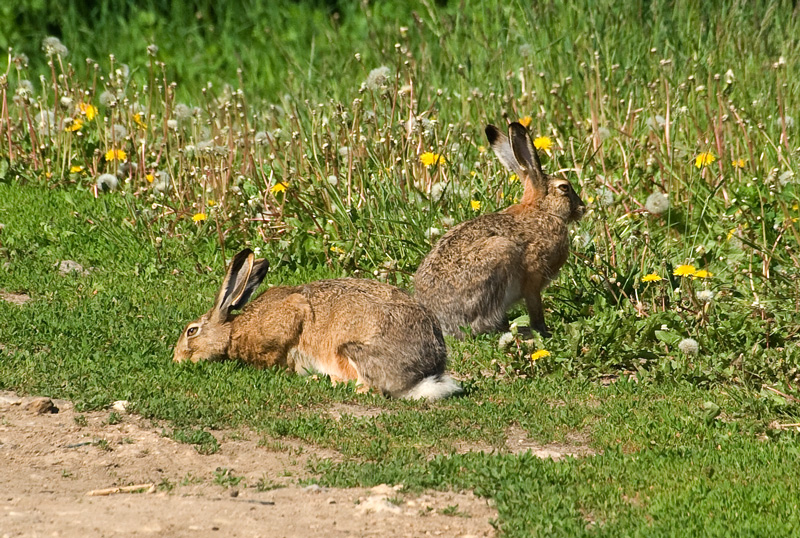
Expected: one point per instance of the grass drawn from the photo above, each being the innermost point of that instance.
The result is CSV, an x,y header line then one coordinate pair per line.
x,y
314,159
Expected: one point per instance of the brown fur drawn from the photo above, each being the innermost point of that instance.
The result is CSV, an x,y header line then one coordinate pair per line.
x,y
482,266
350,329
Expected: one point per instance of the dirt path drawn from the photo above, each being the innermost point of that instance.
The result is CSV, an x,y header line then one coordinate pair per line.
x,y
50,461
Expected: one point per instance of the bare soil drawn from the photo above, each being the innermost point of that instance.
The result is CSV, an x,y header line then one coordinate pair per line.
x,y
51,460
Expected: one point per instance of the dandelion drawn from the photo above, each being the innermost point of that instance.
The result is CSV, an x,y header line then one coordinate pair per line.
x,y
337,250
652,277
543,143
90,111
162,182
526,121
172,124
182,112
704,159
137,119
656,203
66,102
689,346
605,197
684,270
505,340
333,180
475,204
149,177
702,273
24,88
739,163
116,155
261,138
514,177
432,232
377,78
118,132
603,134
199,217
107,182
52,46
75,169
705,296
428,158
278,187
75,125
211,203
108,99
152,49
656,122
438,190
536,355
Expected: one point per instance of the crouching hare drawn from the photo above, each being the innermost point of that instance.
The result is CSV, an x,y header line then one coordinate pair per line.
x,y
349,329
482,266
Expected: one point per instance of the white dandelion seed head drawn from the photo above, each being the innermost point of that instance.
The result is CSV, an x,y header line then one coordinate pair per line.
x,y
657,203
205,146
789,121
108,99
505,340
377,78
24,88
785,178
262,138
438,190
603,133
656,122
162,182
705,296
152,49
689,346
118,132
605,197
447,222
432,232
333,180
172,124
525,50
66,102
344,151
123,71
52,46
20,60
45,122
107,182
182,112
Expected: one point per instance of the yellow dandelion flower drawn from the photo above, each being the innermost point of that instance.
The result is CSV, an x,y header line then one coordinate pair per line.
x,y
704,159
278,187
116,155
536,355
428,158
475,204
730,234
526,121
481,149
543,143
149,177
702,273
795,206
652,277
90,111
337,250
137,119
48,175
76,125
211,203
77,169
739,163
197,217
473,173
684,270
514,177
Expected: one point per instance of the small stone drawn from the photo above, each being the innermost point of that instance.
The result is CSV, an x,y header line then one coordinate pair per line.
x,y
120,406
41,406
7,400
234,493
14,298
68,266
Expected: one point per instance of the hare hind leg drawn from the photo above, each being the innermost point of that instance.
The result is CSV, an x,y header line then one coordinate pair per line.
x,y
532,291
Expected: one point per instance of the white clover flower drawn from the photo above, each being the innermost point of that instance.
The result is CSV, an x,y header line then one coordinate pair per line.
x,y
52,46
377,78
705,296
689,346
505,340
656,203
107,182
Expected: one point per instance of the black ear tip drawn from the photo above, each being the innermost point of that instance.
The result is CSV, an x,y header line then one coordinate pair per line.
x,y
518,129
492,133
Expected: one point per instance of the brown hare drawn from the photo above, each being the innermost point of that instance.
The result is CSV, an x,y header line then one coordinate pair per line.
x,y
349,329
482,266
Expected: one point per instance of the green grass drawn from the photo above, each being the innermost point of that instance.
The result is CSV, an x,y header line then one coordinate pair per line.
x,y
686,444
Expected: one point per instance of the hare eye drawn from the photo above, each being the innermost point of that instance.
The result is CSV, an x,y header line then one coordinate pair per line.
x,y
191,331
564,187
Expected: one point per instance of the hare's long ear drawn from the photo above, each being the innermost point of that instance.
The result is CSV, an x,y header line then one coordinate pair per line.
x,y
502,148
257,274
234,284
528,159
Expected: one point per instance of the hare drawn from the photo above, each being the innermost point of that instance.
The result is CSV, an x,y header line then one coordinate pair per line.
x,y
349,329
482,266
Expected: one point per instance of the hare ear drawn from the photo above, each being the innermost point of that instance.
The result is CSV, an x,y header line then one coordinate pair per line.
x,y
234,284
257,274
527,157
502,149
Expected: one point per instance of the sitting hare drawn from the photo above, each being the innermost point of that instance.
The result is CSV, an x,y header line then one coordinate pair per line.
x,y
349,329
482,266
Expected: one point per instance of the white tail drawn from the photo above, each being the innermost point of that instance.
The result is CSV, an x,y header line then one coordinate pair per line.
x,y
434,387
